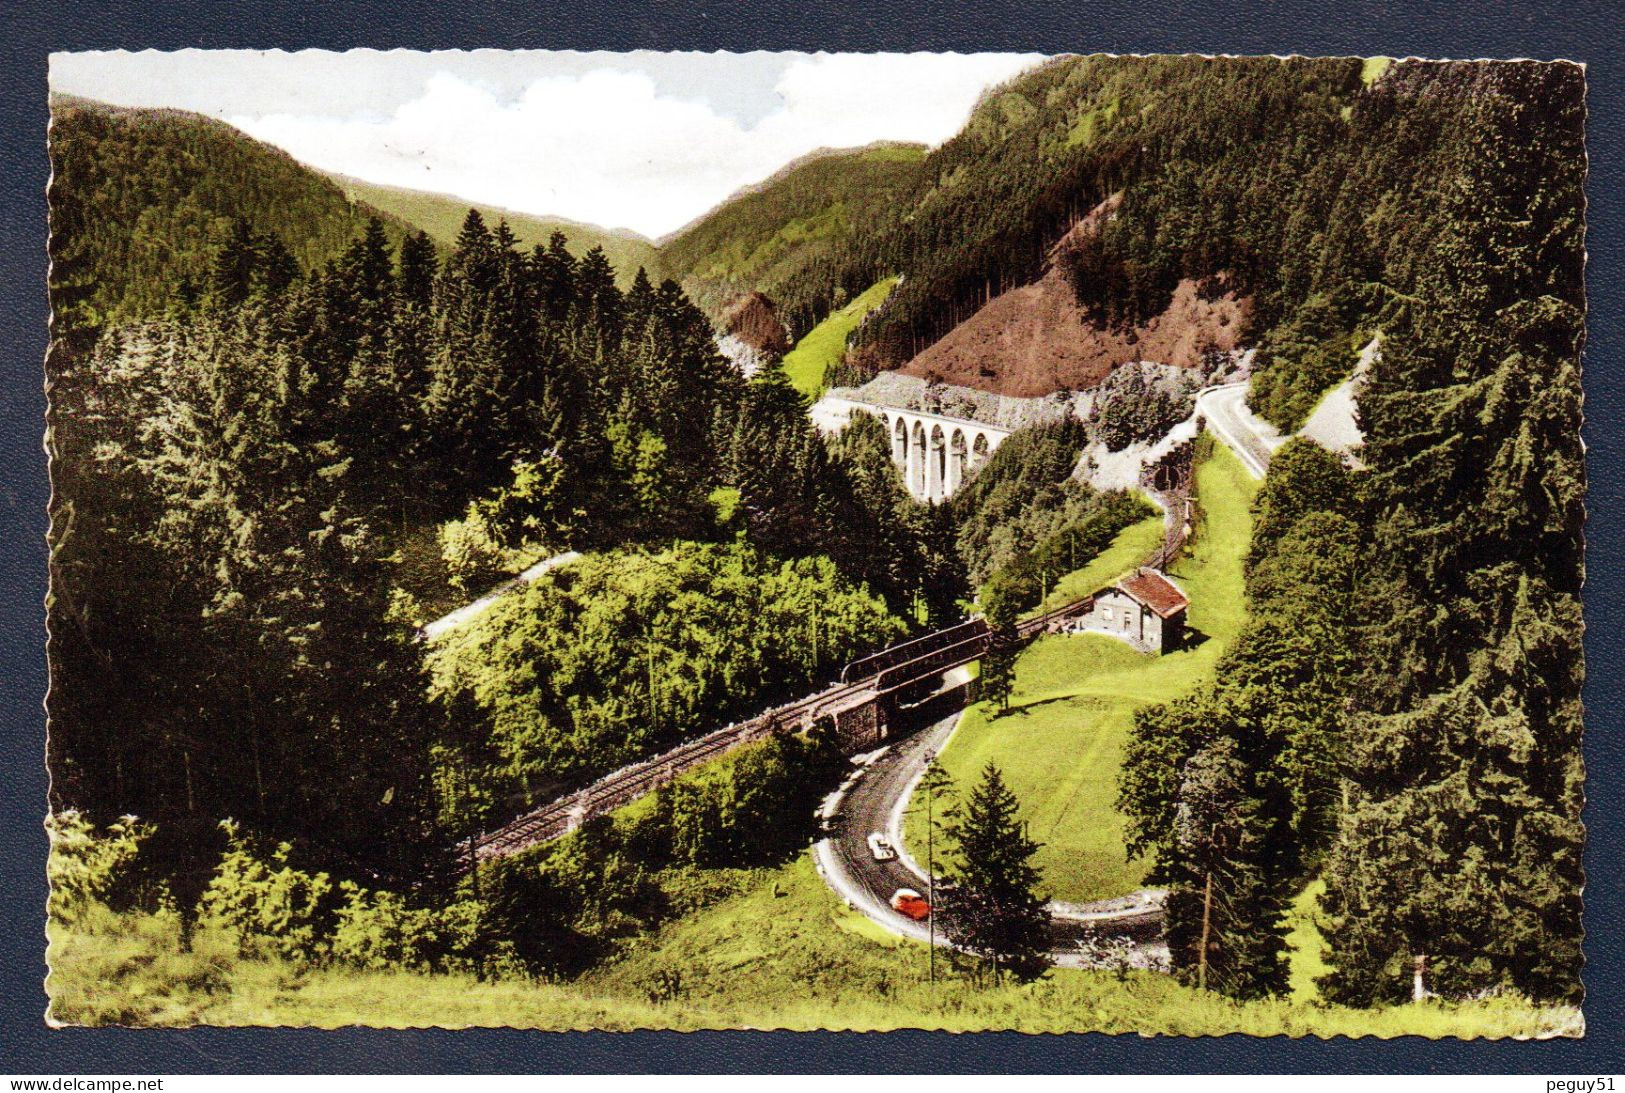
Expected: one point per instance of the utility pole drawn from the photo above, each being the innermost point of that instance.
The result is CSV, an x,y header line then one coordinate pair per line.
x,y
473,851
812,623
1207,909
1207,916
649,657
931,782
931,871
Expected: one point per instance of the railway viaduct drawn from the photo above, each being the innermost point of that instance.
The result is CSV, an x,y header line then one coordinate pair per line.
x,y
936,453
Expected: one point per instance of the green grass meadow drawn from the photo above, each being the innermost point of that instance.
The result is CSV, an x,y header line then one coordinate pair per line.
x,y
824,343
1061,744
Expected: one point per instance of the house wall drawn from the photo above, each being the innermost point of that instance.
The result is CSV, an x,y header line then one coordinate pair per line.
x,y
1122,617
1128,620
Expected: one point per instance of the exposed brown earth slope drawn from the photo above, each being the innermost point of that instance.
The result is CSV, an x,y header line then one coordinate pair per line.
x,y
753,320
1033,340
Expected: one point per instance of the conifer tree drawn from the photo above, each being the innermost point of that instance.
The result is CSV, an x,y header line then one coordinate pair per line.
x,y
417,269
235,265
1223,911
596,292
473,256
640,304
368,263
278,267
553,270
993,908
1001,606
1458,862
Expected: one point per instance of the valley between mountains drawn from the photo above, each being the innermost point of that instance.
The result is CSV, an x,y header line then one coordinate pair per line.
x,y
467,616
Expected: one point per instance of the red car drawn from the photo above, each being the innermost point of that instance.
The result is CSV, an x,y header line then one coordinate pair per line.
x,y
908,902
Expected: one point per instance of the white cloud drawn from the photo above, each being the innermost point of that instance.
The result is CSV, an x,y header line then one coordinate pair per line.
x,y
609,147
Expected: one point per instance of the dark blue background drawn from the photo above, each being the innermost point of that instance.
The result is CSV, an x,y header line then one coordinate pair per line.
x,y
30,29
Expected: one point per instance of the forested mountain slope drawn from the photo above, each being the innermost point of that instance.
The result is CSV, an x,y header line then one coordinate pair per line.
x,y
1403,712
235,473
1437,784
441,215
234,482
142,199
778,237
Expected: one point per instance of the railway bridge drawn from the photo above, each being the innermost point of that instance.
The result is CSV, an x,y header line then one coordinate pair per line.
x,y
875,697
936,453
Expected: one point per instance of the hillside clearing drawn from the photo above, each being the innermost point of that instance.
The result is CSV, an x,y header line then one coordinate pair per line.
x,y
825,343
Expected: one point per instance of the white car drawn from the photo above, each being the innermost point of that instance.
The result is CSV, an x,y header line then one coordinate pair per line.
x,y
881,847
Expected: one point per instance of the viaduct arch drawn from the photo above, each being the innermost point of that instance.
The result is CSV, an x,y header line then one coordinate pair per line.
x,y
934,452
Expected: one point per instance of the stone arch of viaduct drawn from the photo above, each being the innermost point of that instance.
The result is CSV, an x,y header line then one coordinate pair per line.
x,y
935,453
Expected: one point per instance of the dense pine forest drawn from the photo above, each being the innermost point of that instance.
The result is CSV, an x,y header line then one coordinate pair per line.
x,y
140,199
1404,712
287,432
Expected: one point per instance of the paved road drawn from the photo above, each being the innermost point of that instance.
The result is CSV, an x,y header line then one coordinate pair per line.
x,y
1251,438
875,802
1335,423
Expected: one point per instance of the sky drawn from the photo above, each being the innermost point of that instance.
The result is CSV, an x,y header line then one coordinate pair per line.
x,y
646,141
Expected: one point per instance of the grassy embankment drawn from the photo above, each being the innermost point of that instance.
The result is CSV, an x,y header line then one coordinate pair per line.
x,y
781,953
824,343
1061,745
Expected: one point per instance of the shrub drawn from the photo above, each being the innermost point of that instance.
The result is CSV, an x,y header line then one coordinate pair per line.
x,y
378,930
84,867
469,548
268,906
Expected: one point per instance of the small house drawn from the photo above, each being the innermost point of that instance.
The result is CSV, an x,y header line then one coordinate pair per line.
x,y
1144,608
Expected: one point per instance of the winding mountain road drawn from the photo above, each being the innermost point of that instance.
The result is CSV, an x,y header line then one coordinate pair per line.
x,y
1334,423
1253,439
875,799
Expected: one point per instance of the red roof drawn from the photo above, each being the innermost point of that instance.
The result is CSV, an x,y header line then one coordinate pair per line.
x,y
1155,591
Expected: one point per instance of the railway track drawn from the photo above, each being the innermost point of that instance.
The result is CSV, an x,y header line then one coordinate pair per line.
x,y
906,651
561,816
627,784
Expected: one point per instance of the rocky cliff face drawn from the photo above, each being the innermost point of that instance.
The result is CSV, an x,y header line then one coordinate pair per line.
x,y
747,358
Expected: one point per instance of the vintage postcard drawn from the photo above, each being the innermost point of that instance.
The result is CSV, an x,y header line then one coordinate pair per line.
x,y
816,541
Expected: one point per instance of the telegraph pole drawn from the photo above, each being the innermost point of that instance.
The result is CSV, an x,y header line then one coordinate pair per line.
x,y
931,870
